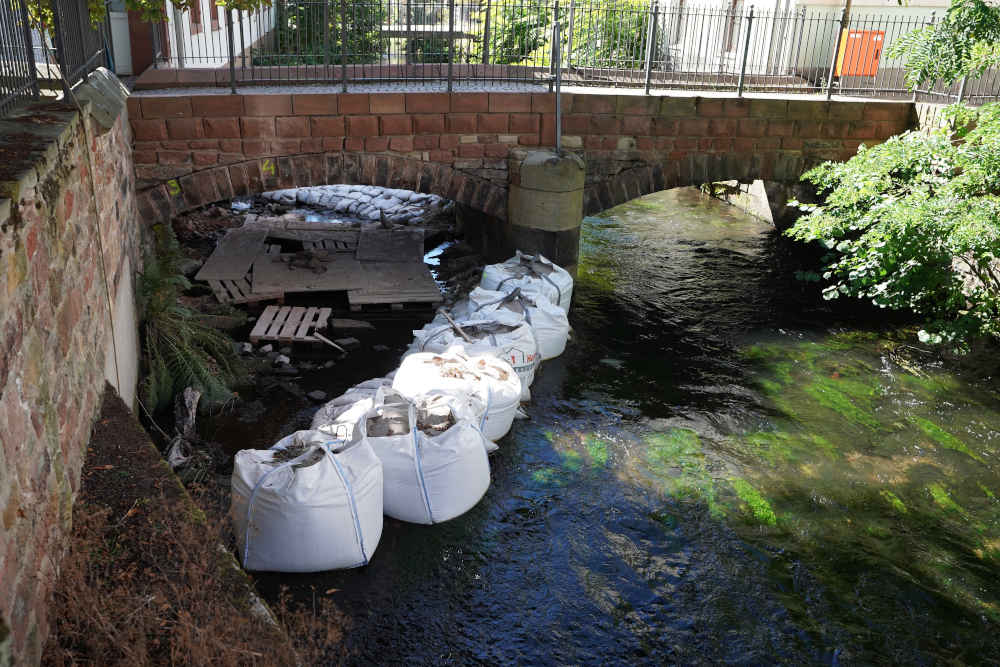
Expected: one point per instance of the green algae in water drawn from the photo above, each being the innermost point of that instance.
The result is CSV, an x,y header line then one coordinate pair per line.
x,y
893,500
759,508
943,438
677,460
597,448
944,500
548,477
785,447
831,394
989,494
572,461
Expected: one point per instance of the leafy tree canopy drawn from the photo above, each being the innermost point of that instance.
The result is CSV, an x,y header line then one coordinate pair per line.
x,y
965,43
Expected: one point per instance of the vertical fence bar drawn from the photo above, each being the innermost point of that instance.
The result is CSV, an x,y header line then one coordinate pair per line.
x,y
569,34
746,51
451,42
651,41
961,89
29,51
558,91
232,49
553,54
326,39
343,45
836,52
486,34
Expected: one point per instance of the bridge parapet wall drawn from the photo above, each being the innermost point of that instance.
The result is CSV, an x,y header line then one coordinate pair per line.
x,y
192,150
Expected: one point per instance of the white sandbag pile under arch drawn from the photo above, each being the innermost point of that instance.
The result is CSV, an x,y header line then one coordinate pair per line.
x,y
433,455
532,273
308,504
491,380
503,334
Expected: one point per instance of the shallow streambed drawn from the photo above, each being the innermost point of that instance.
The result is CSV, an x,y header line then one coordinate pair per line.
x,y
720,468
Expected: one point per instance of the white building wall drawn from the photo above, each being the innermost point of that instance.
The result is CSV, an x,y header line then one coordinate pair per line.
x,y
206,45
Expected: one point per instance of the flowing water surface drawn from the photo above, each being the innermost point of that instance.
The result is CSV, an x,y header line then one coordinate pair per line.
x,y
719,469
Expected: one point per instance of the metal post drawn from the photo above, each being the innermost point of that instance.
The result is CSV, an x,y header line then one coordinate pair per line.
x,y
232,50
486,34
651,41
746,52
836,53
451,41
29,51
558,93
343,44
152,42
961,89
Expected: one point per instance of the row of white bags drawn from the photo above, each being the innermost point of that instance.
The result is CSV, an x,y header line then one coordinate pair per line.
x,y
412,445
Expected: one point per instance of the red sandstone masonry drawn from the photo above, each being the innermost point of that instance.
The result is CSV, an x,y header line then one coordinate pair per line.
x,y
48,331
631,142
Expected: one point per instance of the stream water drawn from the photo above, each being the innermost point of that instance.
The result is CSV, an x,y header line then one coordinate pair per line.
x,y
720,468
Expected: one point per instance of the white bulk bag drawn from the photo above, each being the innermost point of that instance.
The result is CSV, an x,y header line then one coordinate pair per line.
x,y
547,320
503,334
318,510
338,417
428,478
532,273
493,381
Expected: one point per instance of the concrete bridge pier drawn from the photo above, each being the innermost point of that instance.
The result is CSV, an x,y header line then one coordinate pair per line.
x,y
545,204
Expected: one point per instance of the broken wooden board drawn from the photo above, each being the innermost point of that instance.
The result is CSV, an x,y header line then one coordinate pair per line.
x,y
234,255
395,283
271,274
345,238
290,324
391,245
331,245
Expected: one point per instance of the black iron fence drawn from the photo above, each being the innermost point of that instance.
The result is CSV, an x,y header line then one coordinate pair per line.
x,y
608,43
58,48
18,81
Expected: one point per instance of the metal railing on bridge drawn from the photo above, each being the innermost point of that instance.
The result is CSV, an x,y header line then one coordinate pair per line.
x,y
55,46
607,43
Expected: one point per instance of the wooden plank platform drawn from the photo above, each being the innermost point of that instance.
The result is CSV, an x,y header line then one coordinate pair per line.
x,y
331,245
288,324
391,245
396,284
234,255
271,274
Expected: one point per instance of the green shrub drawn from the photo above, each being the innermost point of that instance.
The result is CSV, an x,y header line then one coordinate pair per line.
x,y
178,351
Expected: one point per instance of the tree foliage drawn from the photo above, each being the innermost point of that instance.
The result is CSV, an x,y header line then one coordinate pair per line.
x,y
965,43
914,223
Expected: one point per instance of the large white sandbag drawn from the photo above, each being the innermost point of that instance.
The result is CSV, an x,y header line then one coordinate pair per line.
x,y
434,461
547,320
338,416
307,504
503,334
532,273
454,372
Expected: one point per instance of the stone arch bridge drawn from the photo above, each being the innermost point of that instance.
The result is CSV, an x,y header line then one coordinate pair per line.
x,y
191,149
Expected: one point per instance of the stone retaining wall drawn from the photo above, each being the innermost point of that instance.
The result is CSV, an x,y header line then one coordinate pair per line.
x,y
54,336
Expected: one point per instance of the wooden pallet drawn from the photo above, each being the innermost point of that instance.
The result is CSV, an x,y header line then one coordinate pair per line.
x,y
290,324
331,245
241,290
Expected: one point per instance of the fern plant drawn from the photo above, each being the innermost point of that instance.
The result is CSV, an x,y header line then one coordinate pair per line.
x,y
178,350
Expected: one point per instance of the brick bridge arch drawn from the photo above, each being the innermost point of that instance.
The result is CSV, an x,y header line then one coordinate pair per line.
x,y
193,150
